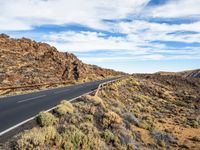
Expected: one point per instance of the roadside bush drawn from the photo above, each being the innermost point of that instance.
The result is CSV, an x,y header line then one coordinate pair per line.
x,y
74,136
49,132
95,100
111,118
46,119
64,107
92,138
58,140
31,139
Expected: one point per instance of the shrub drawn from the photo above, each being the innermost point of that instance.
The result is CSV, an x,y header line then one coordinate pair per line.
x,y
68,145
110,118
58,139
130,147
91,139
108,136
131,118
163,138
126,137
89,118
31,139
49,132
196,139
89,129
46,119
144,125
64,107
73,135
161,143
95,100
37,137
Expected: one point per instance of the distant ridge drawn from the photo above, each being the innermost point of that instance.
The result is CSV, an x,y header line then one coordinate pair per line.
x,y
188,73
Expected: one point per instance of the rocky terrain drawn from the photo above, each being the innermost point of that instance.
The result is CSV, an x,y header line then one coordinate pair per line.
x,y
191,73
26,62
185,74
142,112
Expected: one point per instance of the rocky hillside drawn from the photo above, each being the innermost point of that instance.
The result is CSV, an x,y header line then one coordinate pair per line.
x,y
26,62
185,74
191,73
142,112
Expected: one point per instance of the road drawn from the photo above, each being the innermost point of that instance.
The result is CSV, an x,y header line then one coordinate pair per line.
x,y
21,108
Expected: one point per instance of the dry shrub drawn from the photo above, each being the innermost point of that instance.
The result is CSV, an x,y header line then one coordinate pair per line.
x,y
73,138
95,100
92,138
31,139
36,138
89,118
109,136
111,118
64,107
46,119
49,132
87,137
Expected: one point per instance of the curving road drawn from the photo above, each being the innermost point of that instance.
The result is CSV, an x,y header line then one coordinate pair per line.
x,y
16,110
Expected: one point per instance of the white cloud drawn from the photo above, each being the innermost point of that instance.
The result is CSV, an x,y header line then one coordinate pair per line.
x,y
58,12
177,9
148,31
137,45
89,41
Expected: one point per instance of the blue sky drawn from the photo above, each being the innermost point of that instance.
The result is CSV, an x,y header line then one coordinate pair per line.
x,y
126,35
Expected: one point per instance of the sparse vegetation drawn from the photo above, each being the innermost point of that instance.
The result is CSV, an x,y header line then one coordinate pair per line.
x,y
110,118
108,136
36,138
46,119
140,112
64,107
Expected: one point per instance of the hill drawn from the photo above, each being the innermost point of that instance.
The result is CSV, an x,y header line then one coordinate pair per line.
x,y
191,73
186,74
27,62
139,112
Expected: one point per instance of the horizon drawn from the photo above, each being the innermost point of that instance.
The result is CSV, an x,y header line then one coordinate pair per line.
x,y
133,36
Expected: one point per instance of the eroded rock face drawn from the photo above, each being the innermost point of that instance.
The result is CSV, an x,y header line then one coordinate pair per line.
x,y
24,61
191,73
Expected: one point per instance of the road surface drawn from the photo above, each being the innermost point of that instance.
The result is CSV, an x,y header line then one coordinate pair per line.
x,y
21,108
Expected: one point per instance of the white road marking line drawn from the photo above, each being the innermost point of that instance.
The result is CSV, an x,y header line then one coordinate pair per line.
x,y
31,98
57,92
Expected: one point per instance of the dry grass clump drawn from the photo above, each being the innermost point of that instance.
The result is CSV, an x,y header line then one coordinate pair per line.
x,y
46,119
84,138
36,138
64,107
110,118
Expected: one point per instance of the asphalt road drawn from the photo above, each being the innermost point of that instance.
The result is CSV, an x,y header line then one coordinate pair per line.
x,y
16,109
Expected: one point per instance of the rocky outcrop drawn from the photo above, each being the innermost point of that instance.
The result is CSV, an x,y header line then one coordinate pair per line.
x,y
25,62
191,73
